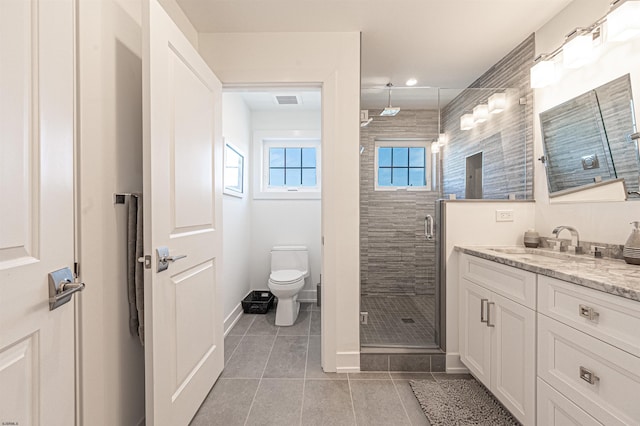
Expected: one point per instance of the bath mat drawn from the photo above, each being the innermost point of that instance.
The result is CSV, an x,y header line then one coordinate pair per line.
x,y
459,402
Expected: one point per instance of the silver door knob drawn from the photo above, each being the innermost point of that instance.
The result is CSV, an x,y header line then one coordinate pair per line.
x,y
164,258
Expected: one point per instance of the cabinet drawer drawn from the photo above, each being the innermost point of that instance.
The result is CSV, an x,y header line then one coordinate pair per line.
x,y
554,409
512,283
614,319
563,353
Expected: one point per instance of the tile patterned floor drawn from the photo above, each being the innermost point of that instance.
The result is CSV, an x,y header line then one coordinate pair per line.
x,y
272,376
398,321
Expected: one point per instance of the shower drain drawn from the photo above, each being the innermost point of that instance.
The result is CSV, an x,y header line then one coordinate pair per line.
x,y
408,320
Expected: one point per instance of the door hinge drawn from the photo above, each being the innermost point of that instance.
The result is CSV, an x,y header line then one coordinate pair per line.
x,y
76,270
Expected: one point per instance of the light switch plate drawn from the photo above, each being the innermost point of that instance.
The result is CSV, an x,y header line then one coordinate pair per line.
x,y
504,215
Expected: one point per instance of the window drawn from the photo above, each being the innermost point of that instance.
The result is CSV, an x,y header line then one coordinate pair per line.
x,y
292,167
233,170
287,164
402,164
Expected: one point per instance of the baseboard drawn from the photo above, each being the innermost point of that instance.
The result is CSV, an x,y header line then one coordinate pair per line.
x,y
348,362
232,318
454,365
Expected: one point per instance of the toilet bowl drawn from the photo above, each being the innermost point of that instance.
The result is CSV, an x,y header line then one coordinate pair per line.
x,y
289,268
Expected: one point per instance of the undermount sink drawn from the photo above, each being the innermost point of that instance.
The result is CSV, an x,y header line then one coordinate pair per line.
x,y
548,255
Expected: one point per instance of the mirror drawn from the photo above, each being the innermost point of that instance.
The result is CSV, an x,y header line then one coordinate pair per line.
x,y
588,139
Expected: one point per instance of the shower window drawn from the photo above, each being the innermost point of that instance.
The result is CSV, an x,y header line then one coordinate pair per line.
x,y
402,164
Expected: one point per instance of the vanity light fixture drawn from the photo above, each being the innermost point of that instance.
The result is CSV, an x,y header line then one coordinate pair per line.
x,y
543,73
411,82
435,147
466,122
442,139
623,21
480,113
497,102
578,50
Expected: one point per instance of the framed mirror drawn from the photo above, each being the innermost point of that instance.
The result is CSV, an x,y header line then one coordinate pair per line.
x,y
587,140
233,171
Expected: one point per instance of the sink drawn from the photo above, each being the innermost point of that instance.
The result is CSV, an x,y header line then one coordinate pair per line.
x,y
529,254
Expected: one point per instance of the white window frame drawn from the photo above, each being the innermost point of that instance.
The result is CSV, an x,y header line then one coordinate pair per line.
x,y
262,141
401,143
227,190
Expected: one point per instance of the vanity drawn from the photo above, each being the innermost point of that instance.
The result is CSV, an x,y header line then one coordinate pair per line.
x,y
554,336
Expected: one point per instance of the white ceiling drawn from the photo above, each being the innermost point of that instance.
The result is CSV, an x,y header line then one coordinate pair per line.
x,y
441,43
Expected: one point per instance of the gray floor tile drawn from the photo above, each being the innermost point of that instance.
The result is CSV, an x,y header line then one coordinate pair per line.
x,y
230,344
409,375
305,306
250,357
411,404
242,325
263,325
374,362
412,362
288,357
314,369
228,403
316,323
376,402
382,375
301,326
327,402
278,402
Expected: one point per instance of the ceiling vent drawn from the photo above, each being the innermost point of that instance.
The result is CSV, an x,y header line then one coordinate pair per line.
x,y
288,99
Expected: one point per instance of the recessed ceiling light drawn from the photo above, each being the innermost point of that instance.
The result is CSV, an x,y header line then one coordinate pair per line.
x,y
411,82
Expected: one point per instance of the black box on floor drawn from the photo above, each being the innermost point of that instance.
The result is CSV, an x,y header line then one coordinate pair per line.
x,y
257,302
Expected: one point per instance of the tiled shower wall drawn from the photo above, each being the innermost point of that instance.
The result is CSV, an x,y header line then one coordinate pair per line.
x,y
395,257
506,139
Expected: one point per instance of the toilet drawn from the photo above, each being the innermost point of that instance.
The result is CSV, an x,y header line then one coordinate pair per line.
x,y
289,268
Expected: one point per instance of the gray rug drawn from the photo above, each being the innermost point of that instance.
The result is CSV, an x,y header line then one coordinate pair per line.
x,y
459,402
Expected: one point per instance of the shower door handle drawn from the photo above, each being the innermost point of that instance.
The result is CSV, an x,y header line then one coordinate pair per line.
x,y
428,227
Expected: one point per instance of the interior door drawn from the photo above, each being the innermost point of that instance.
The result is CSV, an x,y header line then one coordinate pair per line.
x,y
36,212
182,212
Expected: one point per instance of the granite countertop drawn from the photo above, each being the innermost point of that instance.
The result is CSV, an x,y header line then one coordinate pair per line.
x,y
608,275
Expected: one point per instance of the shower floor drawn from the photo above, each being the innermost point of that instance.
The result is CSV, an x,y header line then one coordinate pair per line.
x,y
398,321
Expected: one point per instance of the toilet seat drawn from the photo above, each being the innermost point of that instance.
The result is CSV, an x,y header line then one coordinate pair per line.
x,y
286,276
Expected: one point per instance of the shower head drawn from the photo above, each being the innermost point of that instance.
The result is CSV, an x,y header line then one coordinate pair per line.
x,y
390,111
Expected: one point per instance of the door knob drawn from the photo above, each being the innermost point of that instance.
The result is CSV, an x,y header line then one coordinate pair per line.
x,y
62,287
164,258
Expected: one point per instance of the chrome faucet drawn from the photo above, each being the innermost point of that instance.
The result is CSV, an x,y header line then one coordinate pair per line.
x,y
575,238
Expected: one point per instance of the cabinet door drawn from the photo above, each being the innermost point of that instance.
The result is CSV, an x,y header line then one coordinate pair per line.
x,y
513,365
475,342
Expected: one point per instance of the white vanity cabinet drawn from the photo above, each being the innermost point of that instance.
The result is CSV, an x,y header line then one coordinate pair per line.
x,y
498,331
588,353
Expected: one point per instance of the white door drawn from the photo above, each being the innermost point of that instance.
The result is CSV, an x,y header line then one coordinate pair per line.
x,y
36,210
513,350
475,335
182,212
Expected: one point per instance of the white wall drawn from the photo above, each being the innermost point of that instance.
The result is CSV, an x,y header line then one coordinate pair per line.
x,y
334,62
236,211
285,222
109,136
474,223
606,222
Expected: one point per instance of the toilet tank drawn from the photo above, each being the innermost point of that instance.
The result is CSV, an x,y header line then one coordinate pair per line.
x,y
290,257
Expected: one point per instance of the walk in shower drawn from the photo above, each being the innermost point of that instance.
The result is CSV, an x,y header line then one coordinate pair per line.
x,y
406,167
399,186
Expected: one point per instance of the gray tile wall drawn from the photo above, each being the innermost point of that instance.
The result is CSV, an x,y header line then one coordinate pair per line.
x,y
395,257
506,139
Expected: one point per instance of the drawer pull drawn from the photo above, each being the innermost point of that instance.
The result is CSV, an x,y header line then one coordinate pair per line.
x,y
489,314
482,302
588,376
588,312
